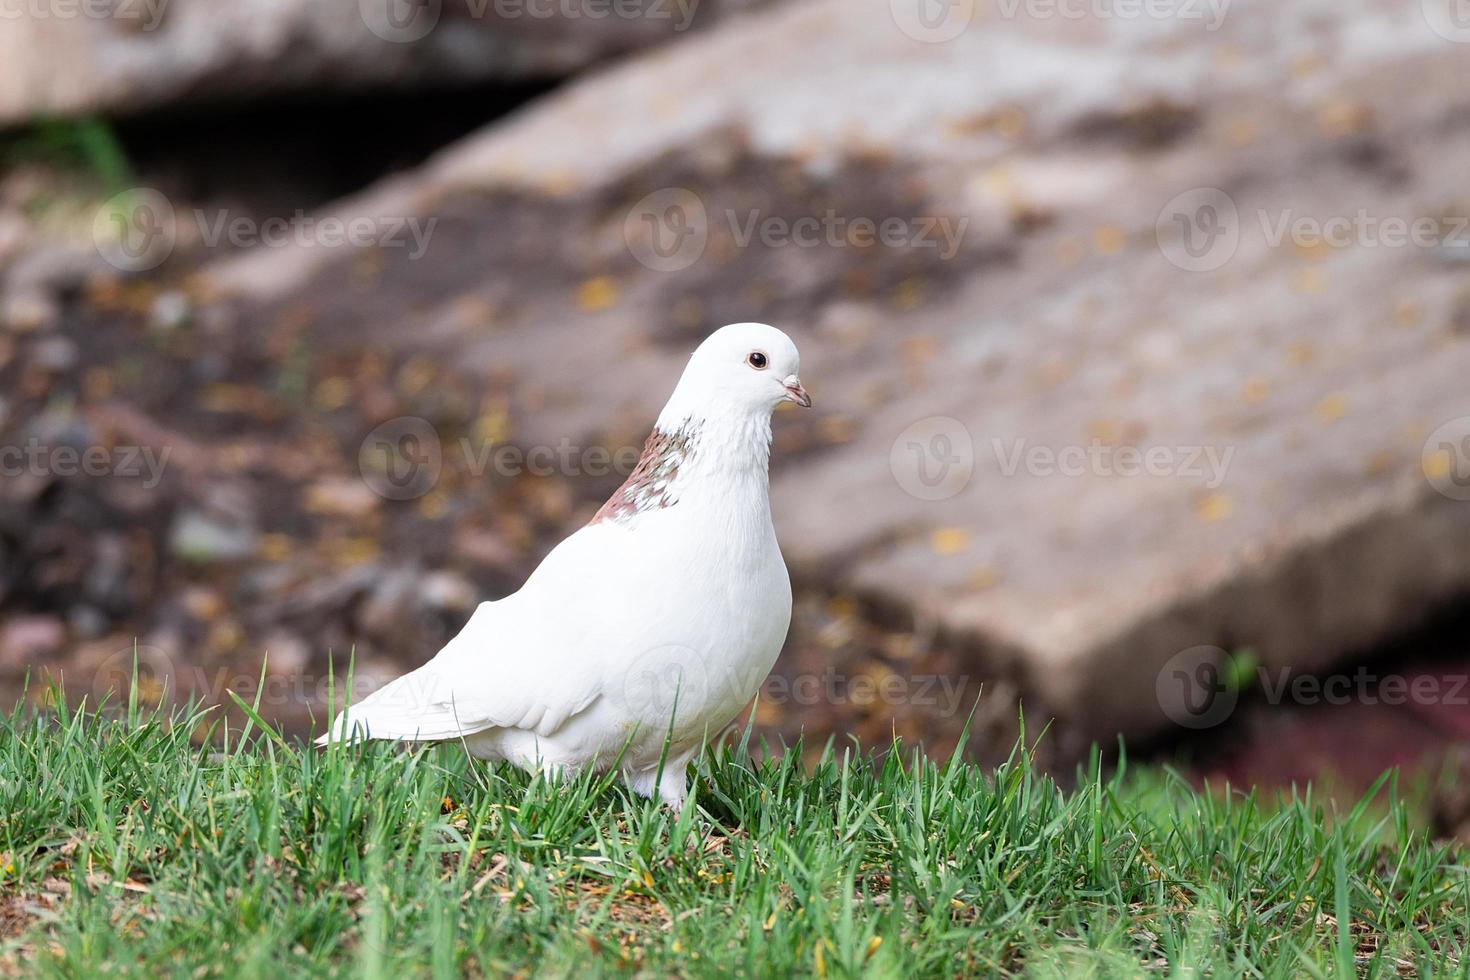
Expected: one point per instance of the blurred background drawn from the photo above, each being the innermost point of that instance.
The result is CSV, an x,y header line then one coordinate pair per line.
x,y
1138,332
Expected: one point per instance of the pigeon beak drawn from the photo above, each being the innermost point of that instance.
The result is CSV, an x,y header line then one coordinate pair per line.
x,y
796,393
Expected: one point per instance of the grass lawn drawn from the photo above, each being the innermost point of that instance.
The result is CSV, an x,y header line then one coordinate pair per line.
x,y
127,847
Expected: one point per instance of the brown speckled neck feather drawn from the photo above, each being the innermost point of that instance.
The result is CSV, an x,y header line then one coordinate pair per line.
x,y
649,486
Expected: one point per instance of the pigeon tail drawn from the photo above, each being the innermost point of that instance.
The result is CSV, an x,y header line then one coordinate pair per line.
x,y
392,713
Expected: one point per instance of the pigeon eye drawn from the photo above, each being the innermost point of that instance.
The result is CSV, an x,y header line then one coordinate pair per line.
x,y
757,360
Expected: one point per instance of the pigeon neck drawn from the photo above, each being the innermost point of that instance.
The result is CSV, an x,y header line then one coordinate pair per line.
x,y
696,462
727,447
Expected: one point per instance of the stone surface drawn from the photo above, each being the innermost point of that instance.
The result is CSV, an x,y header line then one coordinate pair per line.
x,y
29,640
64,58
984,408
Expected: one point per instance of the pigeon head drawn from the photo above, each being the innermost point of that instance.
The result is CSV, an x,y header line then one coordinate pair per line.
x,y
743,369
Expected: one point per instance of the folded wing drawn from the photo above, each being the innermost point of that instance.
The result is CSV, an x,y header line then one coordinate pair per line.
x,y
528,661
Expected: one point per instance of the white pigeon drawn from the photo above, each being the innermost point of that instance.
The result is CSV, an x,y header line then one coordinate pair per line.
x,y
647,631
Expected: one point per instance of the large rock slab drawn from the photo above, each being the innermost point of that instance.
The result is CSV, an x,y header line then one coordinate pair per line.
x,y
78,56
1187,371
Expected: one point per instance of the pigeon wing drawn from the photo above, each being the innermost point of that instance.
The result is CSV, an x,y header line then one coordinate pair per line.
x,y
529,661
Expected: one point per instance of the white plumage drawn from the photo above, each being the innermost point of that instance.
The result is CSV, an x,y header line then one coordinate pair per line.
x,y
656,622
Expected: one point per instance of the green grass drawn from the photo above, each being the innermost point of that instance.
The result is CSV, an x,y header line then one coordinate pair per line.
x,y
156,844
87,146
